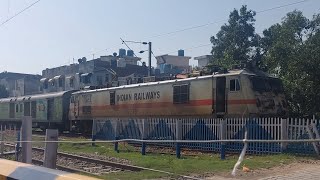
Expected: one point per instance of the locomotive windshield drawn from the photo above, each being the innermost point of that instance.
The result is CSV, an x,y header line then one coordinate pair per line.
x,y
262,84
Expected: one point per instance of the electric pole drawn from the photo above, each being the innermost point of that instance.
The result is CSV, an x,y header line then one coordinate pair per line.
x,y
149,72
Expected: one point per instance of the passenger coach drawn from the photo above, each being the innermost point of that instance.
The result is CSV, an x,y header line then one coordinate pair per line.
x,y
46,110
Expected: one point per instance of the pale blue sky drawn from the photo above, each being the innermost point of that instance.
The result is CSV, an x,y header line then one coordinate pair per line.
x,y
53,32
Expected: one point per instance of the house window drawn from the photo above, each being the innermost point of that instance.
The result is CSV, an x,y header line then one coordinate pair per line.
x,y
85,78
71,83
99,80
45,85
60,82
107,78
181,94
112,98
234,85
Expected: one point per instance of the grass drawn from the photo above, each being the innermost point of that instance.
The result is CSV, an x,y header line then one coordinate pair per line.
x,y
187,165
196,164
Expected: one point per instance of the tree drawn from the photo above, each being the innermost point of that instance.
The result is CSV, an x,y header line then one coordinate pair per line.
x,y
3,92
291,50
237,41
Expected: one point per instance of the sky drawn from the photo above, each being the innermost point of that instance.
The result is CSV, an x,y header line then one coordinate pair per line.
x,y
54,32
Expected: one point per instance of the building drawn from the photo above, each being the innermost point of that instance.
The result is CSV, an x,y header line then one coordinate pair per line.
x,y
203,60
105,71
172,64
19,84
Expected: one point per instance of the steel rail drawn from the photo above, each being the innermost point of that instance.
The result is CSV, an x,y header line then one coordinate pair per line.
x,y
97,161
63,168
91,160
107,163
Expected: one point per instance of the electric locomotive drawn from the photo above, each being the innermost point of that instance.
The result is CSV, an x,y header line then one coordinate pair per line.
x,y
237,93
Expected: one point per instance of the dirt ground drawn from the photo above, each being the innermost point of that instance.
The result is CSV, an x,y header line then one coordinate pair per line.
x,y
263,173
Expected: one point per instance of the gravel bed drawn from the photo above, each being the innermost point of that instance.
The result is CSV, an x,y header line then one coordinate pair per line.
x,y
106,158
8,149
89,167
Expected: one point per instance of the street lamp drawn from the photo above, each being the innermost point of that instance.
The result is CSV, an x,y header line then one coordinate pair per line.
x,y
150,51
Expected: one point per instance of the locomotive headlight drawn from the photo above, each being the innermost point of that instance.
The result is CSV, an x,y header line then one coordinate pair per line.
x,y
284,103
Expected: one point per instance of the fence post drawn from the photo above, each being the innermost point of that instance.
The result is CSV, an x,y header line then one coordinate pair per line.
x,y
2,144
178,137
284,134
116,134
17,146
50,153
223,129
26,135
93,132
145,130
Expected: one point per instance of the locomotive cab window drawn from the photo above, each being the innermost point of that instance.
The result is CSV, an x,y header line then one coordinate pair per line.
x,y
112,98
86,109
234,85
181,94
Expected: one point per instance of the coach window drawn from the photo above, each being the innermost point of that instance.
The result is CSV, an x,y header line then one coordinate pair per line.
x,y
33,109
181,94
234,85
17,108
112,98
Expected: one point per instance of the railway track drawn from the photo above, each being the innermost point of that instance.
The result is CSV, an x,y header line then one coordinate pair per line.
x,y
81,164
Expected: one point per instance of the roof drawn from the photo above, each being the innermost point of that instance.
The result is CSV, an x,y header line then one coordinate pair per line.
x,y
33,97
16,75
203,57
229,73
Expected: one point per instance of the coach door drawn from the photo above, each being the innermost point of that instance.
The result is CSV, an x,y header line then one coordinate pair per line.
x,y
50,109
221,95
11,110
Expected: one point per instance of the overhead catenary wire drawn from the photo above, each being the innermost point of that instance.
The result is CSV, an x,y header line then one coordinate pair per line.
x,y
123,42
206,24
190,48
214,22
26,8
223,20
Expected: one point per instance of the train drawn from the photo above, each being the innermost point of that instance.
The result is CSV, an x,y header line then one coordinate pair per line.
x,y
234,93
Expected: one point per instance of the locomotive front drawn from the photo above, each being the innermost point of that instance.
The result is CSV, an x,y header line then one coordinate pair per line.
x,y
269,94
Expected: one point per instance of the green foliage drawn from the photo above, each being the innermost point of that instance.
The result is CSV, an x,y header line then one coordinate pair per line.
x,y
188,165
3,92
237,41
291,51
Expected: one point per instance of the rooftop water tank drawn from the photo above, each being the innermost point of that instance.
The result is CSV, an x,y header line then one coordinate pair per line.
x,y
122,52
181,52
130,53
